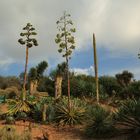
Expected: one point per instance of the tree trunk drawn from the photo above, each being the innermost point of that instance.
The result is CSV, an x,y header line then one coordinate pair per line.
x,y
33,86
96,69
44,117
58,86
25,76
68,80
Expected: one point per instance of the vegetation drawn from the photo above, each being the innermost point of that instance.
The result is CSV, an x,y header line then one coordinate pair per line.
x,y
100,124
64,116
29,42
128,116
65,40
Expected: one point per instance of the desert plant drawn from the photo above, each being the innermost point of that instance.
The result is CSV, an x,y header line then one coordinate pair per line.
x,y
128,116
64,116
29,42
100,124
65,40
38,112
10,120
18,106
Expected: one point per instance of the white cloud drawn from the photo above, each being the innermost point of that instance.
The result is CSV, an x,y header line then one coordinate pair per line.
x,y
86,71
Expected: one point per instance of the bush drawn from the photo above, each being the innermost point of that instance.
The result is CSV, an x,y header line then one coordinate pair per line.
x,y
36,112
100,124
65,116
128,116
110,85
10,120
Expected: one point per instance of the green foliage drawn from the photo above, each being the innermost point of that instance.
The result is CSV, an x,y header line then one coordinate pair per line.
x,y
124,78
9,120
65,116
41,68
134,90
36,112
109,84
100,124
26,36
17,106
128,116
37,73
64,38
46,85
32,75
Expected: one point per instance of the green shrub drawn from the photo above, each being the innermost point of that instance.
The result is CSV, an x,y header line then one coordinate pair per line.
x,y
128,116
65,116
100,123
36,112
10,120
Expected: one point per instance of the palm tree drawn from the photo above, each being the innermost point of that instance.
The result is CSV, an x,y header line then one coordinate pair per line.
x,y
60,75
35,74
29,42
124,78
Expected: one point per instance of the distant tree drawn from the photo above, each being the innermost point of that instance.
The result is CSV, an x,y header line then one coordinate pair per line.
x,y
65,40
109,84
124,78
27,40
35,74
41,67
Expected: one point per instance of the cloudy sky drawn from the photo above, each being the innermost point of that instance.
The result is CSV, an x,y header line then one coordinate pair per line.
x,y
116,24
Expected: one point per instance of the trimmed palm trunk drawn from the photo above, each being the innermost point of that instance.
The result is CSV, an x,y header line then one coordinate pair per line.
x,y
96,68
33,86
58,86
25,75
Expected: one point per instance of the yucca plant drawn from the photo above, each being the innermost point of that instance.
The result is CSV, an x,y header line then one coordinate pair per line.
x,y
100,123
66,116
128,116
38,110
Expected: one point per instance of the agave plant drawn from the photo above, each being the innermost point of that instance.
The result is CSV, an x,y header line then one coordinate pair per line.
x,y
128,116
100,124
38,111
66,116
18,106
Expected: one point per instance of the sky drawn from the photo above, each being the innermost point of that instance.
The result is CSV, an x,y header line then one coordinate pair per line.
x,y
116,25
